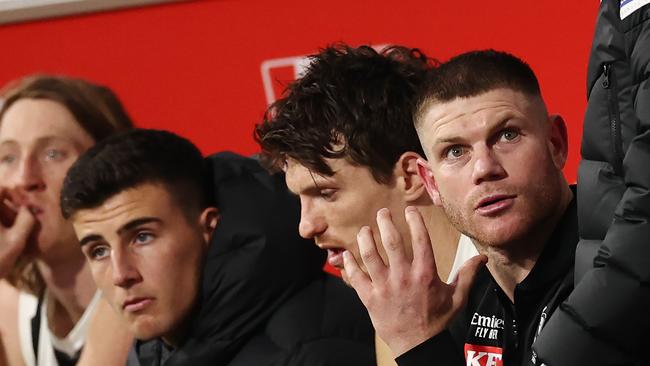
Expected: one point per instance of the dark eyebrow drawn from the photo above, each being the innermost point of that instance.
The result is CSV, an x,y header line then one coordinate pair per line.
x,y
87,239
126,227
501,125
137,222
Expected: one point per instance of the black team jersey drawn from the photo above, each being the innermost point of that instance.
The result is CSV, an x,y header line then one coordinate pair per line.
x,y
492,330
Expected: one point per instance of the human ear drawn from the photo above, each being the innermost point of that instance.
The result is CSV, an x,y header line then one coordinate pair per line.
x,y
558,141
208,221
406,170
426,175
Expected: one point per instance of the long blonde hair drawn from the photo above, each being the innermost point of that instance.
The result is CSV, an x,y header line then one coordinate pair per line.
x,y
97,110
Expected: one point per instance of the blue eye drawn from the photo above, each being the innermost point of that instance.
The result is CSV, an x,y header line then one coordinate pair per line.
x,y
98,252
509,135
454,152
7,159
54,154
143,238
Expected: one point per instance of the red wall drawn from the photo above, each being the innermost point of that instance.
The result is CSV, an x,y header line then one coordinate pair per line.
x,y
194,67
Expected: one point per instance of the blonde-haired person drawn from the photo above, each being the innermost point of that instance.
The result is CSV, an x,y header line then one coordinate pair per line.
x,y
47,295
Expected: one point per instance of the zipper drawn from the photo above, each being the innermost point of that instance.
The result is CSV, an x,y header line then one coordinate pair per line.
x,y
609,84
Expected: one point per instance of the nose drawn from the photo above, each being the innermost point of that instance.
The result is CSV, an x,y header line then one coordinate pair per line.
x,y
29,175
312,223
125,273
487,166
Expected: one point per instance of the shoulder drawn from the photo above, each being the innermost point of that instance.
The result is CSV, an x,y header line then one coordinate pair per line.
x,y
465,250
324,324
228,165
247,195
108,339
10,348
8,302
481,296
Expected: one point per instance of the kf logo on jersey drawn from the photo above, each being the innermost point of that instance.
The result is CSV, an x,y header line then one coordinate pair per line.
x,y
476,355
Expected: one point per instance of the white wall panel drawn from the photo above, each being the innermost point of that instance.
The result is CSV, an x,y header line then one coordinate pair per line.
x,y
12,11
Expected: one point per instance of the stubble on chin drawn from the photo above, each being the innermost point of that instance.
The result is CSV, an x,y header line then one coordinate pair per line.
x,y
536,207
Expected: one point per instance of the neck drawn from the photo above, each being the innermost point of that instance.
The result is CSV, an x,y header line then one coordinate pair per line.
x,y
70,287
175,339
444,238
509,268
511,263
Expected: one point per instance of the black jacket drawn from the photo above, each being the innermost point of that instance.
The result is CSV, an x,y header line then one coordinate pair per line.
x,y
605,320
264,297
492,330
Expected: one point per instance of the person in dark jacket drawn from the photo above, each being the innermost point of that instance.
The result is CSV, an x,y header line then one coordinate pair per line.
x,y
208,276
495,159
605,320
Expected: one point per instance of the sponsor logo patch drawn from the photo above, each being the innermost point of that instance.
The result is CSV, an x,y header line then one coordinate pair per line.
x,y
486,327
476,355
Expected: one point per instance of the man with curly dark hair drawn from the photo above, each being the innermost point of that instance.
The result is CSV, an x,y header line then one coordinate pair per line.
x,y
344,136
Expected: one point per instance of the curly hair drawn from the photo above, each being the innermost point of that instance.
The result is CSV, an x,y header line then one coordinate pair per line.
x,y
352,103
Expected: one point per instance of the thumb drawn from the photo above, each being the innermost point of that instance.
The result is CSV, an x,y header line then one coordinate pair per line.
x,y
465,278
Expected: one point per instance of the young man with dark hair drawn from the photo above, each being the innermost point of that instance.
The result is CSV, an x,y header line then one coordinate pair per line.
x,y
344,136
201,259
495,159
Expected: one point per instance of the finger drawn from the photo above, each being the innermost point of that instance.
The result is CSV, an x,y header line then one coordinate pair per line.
x,y
464,279
369,255
22,227
7,215
356,277
7,208
15,198
423,258
391,240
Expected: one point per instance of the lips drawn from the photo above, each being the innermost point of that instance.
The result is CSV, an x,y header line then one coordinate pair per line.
x,y
334,252
35,210
136,304
31,206
16,200
335,257
494,204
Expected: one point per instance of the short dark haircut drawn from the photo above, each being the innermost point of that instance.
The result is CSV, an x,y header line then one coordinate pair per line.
x,y
474,73
131,159
352,103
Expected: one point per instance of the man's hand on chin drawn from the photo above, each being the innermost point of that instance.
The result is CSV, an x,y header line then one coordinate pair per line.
x,y
408,303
